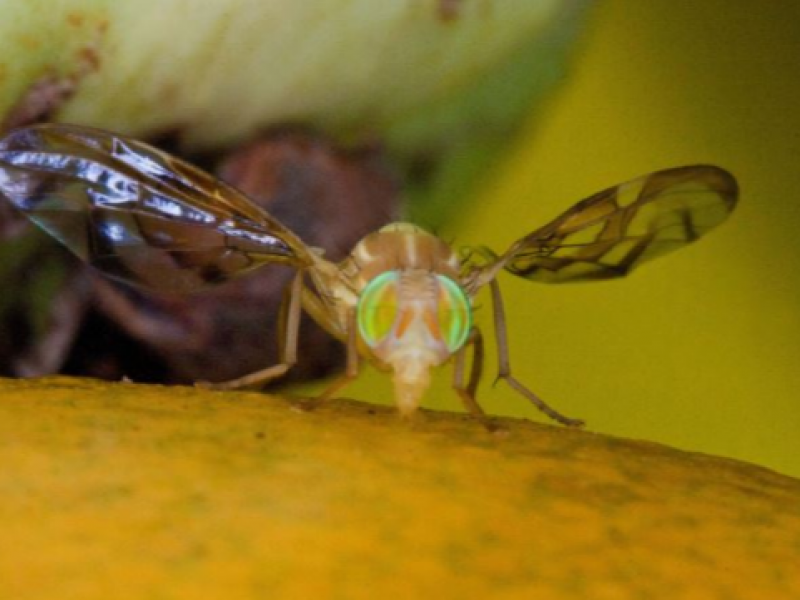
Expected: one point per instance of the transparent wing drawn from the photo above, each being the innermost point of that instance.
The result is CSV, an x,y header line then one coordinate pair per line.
x,y
136,213
612,232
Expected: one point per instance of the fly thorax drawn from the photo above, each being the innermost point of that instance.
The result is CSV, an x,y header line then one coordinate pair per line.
x,y
399,247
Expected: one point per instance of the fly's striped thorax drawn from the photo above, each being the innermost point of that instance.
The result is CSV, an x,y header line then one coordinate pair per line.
x,y
399,247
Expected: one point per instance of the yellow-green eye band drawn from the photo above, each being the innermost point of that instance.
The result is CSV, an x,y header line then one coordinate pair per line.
x,y
454,313
449,316
377,308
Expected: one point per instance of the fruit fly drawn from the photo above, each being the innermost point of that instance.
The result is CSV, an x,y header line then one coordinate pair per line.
x,y
402,300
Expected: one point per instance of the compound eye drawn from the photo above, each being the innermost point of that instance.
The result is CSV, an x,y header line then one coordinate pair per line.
x,y
454,313
377,308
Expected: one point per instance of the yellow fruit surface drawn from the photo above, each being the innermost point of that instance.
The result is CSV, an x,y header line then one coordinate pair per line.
x,y
132,491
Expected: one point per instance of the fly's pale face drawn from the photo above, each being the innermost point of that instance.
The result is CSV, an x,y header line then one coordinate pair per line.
x,y
412,311
413,320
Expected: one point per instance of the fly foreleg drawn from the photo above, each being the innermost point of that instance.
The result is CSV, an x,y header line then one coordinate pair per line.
x,y
351,370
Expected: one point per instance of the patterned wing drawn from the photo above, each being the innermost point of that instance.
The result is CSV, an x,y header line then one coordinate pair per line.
x,y
138,214
612,232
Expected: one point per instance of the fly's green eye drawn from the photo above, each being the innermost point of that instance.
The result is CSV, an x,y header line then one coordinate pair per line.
x,y
377,308
454,313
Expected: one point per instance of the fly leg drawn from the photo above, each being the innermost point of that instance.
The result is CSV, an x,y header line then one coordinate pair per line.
x,y
351,370
467,392
290,324
505,365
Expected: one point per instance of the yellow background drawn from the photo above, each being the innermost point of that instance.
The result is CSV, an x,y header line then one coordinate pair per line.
x,y
699,350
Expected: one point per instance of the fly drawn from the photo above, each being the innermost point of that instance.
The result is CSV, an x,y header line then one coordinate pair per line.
x,y
402,300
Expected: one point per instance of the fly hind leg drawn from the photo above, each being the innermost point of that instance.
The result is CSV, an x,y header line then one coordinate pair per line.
x,y
505,363
290,324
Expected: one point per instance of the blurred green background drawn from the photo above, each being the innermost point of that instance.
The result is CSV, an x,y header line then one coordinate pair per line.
x,y
699,350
